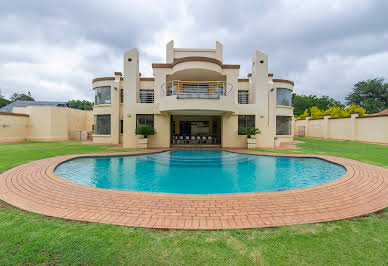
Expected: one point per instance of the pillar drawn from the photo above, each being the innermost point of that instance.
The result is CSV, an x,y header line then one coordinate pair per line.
x,y
353,118
326,126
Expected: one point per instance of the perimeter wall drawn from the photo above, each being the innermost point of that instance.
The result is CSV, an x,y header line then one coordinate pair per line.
x,y
43,123
355,128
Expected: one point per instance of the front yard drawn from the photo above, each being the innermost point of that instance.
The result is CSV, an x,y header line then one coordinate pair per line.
x,y
28,238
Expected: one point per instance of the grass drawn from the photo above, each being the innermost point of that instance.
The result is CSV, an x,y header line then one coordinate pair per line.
x,y
365,152
28,238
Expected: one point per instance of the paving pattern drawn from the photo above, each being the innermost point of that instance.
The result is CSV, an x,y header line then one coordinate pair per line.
x,y
34,187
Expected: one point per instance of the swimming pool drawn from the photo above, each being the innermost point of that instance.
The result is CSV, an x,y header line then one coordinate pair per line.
x,y
199,172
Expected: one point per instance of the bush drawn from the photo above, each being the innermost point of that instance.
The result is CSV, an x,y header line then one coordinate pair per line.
x,y
249,131
333,111
145,130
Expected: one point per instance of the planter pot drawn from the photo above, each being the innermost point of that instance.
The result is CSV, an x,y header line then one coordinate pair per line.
x,y
251,143
142,143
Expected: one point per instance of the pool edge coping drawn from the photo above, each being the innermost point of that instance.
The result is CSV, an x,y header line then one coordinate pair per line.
x,y
347,163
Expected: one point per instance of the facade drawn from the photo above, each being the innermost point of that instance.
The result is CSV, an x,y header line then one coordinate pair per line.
x,y
193,98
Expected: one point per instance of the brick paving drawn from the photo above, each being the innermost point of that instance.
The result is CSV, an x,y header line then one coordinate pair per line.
x,y
34,187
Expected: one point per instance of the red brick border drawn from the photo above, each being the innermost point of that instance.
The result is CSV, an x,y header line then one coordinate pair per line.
x,y
34,187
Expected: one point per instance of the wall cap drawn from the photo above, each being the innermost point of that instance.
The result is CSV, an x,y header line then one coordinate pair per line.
x,y
284,81
371,116
194,58
13,114
147,79
104,78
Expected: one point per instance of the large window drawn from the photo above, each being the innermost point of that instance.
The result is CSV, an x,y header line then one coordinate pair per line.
x,y
146,96
102,124
102,95
144,120
243,97
246,121
283,97
283,125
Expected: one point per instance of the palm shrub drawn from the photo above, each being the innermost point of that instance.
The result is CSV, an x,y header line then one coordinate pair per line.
x,y
249,131
145,130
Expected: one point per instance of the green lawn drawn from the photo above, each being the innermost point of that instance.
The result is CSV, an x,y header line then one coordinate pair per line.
x,y
370,153
28,238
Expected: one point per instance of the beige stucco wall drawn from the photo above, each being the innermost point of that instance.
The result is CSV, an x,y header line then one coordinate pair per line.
x,y
13,128
54,123
340,128
370,129
114,109
262,102
373,129
316,128
172,53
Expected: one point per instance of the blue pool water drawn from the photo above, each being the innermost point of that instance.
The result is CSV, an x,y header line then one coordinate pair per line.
x,y
199,172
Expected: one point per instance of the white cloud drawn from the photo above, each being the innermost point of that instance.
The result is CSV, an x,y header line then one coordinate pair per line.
x,y
56,49
335,75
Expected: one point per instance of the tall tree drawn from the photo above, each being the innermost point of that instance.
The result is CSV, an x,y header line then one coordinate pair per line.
x,y
372,94
82,105
21,97
303,102
3,100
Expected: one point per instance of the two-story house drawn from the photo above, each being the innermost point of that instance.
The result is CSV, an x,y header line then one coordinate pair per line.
x,y
193,99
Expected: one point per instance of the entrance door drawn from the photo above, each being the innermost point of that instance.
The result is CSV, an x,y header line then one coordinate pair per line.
x,y
196,130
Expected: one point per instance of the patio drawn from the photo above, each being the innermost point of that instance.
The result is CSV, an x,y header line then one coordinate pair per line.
x,y
34,187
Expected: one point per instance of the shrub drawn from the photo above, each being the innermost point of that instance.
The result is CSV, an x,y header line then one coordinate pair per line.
x,y
333,111
145,130
249,131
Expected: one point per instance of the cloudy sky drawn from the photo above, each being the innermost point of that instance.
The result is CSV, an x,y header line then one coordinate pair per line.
x,y
55,48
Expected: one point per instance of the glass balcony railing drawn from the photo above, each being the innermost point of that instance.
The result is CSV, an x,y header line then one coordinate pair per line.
x,y
196,89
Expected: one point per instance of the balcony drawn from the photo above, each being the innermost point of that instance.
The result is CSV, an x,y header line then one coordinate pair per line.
x,y
196,89
145,96
197,97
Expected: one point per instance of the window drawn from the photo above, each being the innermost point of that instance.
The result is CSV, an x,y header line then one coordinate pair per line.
x,y
146,96
246,121
102,124
121,96
102,95
121,126
283,97
243,97
144,120
283,125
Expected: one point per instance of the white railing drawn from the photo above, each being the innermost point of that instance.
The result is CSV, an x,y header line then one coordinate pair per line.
x,y
145,96
243,97
197,89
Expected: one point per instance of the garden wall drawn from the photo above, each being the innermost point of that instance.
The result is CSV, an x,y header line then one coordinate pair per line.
x,y
356,128
13,127
44,123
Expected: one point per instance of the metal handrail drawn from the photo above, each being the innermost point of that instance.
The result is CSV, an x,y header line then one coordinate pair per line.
x,y
243,98
196,89
145,96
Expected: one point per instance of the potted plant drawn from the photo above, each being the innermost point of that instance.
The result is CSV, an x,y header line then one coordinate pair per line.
x,y
144,131
249,132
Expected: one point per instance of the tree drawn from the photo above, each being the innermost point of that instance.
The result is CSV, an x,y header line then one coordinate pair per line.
x,y
82,105
372,94
303,102
21,97
3,101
